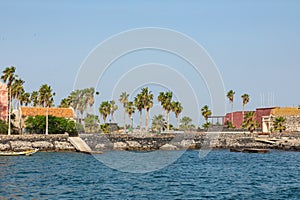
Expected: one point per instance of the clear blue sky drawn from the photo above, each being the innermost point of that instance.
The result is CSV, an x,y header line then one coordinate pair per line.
x,y
254,43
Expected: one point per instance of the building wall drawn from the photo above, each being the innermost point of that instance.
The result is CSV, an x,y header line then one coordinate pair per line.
x,y
3,101
237,118
261,112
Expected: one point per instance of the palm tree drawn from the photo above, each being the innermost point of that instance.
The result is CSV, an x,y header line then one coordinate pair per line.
x,y
8,76
230,96
250,122
165,100
147,98
34,98
114,108
65,103
17,89
124,100
158,123
25,99
177,109
185,123
206,112
90,98
279,124
130,109
138,103
105,110
245,100
45,99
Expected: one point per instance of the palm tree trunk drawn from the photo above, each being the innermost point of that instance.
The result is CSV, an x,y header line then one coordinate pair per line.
x,y
168,121
177,121
124,120
47,120
141,124
146,123
232,113
9,113
243,112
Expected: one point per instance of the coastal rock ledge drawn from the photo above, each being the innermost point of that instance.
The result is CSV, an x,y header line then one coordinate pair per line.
x,y
224,140
57,142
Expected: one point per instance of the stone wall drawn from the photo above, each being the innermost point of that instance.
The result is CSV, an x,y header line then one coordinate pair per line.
x,y
148,142
57,142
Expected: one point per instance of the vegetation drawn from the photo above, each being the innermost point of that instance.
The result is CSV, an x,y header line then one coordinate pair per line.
x,y
3,127
206,112
113,108
250,122
185,123
279,124
91,123
158,123
229,125
57,125
130,109
124,100
230,96
206,125
166,102
147,99
105,110
138,103
245,100
177,109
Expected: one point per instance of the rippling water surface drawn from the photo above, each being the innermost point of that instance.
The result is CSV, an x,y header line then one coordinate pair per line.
x,y
220,175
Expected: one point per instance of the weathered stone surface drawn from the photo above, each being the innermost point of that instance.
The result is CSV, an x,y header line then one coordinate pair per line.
x,y
120,146
43,145
20,145
4,147
63,146
133,144
168,147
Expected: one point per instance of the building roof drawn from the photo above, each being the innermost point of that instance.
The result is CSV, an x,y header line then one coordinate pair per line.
x,y
57,112
288,111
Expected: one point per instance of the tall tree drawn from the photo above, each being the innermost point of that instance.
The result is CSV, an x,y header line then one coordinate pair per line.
x,y
34,98
177,109
25,99
90,98
105,110
114,108
147,98
45,97
46,100
206,112
130,109
138,103
65,103
185,123
230,96
8,76
158,123
245,100
166,102
124,100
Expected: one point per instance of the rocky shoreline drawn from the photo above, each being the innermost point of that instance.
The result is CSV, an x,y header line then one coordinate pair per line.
x,y
150,142
57,142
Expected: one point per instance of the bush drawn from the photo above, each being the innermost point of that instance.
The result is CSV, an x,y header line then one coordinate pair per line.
x,y
56,125
3,127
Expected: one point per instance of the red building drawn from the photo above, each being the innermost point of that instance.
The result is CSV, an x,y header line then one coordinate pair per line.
x,y
238,116
3,101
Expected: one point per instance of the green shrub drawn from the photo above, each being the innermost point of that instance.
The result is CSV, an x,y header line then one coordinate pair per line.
x,y
3,127
56,125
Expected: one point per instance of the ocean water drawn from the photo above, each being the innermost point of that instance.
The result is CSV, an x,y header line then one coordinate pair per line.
x,y
219,175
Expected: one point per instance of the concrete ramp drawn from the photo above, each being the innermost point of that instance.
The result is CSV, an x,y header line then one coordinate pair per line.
x,y
80,145
266,141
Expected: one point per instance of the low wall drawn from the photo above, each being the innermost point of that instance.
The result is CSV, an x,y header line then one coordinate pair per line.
x,y
55,142
147,142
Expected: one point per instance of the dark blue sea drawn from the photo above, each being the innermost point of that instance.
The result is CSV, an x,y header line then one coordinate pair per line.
x,y
219,175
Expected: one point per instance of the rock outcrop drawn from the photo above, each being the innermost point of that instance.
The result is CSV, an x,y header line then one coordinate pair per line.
x,y
57,142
